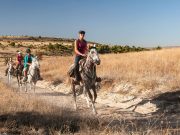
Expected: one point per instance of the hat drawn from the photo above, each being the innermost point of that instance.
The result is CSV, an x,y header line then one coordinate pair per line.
x,y
82,32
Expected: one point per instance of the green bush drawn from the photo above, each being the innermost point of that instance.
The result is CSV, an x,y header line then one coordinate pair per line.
x,y
19,45
50,47
103,49
158,48
12,44
118,49
31,46
58,49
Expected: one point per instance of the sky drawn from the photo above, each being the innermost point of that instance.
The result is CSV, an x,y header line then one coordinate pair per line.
x,y
144,23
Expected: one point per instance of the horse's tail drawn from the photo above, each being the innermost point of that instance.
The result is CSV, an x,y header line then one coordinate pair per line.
x,y
70,74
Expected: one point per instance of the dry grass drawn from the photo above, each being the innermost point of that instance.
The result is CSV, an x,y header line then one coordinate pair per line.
x,y
150,69
55,68
24,114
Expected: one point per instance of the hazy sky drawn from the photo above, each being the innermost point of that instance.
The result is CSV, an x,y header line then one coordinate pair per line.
x,y
125,22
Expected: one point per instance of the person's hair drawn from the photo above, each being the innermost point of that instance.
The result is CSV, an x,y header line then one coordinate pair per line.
x,y
82,32
28,50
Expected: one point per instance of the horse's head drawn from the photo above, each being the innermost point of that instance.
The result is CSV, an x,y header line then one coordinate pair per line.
x,y
93,54
35,62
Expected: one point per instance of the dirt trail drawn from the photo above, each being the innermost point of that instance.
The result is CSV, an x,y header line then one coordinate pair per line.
x,y
109,104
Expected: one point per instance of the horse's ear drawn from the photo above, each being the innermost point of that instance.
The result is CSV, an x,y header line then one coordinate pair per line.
x,y
94,45
36,57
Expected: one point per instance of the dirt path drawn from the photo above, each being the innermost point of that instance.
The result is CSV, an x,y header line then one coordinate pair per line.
x,y
107,104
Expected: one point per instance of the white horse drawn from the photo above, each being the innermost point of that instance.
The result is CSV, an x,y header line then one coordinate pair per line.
x,y
10,71
32,76
88,75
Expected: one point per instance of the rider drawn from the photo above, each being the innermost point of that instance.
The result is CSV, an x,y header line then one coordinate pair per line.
x,y
27,62
19,59
80,49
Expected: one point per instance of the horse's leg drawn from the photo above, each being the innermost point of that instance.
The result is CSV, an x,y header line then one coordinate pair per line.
x,y
95,93
86,97
34,86
20,82
17,77
74,94
9,77
30,86
20,87
25,83
91,98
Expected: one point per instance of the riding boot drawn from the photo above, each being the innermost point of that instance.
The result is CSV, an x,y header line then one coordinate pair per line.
x,y
77,75
76,69
77,78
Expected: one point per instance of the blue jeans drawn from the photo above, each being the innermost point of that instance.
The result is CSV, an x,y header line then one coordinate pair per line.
x,y
76,68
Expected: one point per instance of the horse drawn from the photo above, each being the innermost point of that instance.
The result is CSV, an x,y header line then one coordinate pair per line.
x,y
32,76
19,74
10,71
87,69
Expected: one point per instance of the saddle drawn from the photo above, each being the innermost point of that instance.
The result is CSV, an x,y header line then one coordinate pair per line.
x,y
72,68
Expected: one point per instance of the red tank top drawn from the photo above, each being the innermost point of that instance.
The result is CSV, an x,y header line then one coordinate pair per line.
x,y
19,58
81,46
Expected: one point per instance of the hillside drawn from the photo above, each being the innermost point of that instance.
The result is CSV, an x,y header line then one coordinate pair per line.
x,y
59,46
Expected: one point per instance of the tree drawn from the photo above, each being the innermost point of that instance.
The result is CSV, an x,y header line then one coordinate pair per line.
x,y
158,48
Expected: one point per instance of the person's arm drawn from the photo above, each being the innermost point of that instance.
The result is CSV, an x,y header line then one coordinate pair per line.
x,y
31,60
76,50
29,64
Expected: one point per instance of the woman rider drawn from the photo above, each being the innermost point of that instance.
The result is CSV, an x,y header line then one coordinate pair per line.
x,y
27,62
19,60
80,49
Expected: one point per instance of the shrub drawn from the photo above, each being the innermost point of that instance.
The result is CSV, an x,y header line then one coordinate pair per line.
x,y
19,45
50,47
12,44
31,46
104,49
158,48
